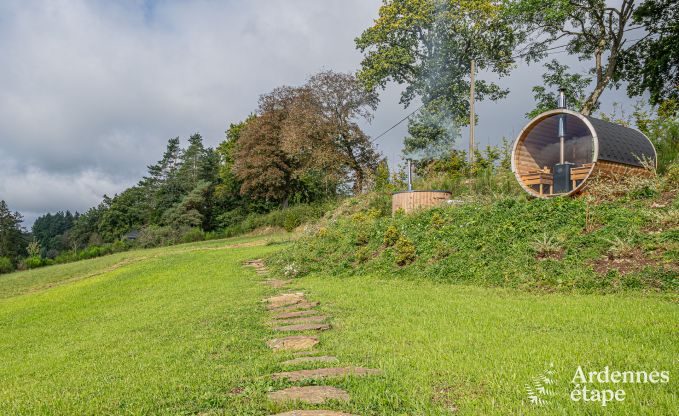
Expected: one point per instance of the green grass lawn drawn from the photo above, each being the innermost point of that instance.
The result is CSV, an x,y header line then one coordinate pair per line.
x,y
182,330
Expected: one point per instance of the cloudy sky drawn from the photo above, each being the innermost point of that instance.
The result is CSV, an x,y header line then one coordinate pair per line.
x,y
90,91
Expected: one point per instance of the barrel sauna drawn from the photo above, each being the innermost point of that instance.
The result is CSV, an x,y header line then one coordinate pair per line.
x,y
559,150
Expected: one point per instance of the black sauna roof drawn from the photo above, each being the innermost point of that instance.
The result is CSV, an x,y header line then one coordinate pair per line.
x,y
621,144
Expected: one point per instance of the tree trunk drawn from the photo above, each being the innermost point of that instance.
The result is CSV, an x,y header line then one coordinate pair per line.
x,y
358,182
593,99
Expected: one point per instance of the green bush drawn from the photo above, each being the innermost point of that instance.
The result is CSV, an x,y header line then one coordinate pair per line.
x,y
405,251
672,176
6,265
157,236
391,236
33,262
192,235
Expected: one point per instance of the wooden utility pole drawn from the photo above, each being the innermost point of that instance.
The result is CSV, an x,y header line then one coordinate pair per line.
x,y
472,116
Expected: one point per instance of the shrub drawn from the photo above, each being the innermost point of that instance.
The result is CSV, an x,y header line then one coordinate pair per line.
x,y
391,236
545,245
33,262
33,249
405,251
156,236
362,254
619,247
672,177
6,265
192,235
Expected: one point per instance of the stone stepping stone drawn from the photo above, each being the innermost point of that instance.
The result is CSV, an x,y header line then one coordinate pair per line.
x,y
286,299
305,304
293,343
309,394
302,327
311,359
313,413
325,373
296,314
303,320
257,264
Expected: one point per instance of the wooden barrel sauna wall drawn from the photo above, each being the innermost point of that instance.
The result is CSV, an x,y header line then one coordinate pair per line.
x,y
410,201
584,145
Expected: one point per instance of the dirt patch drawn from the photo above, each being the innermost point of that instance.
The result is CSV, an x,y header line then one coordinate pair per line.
x,y
555,255
635,262
446,397
320,373
309,394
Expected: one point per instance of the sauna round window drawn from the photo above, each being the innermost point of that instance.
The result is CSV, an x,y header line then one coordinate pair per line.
x,y
549,146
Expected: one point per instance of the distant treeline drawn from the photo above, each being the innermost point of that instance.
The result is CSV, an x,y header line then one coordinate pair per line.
x,y
302,146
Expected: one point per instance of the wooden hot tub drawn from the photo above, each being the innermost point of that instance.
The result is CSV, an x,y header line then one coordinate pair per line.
x,y
410,201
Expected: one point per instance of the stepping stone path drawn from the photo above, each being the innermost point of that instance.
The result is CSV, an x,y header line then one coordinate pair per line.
x,y
293,312
313,413
309,394
258,264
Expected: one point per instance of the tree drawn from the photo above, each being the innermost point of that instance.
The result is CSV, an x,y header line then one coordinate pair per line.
x,y
49,230
322,129
124,212
11,234
85,230
262,167
193,163
557,77
162,186
653,65
591,29
191,210
428,46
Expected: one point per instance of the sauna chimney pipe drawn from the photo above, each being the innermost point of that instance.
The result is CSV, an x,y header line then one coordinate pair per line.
x,y
410,175
561,103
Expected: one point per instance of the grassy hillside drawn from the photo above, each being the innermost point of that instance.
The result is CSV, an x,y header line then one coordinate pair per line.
x,y
161,331
182,330
557,244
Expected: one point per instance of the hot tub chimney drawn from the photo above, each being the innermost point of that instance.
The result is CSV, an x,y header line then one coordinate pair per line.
x,y
410,175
